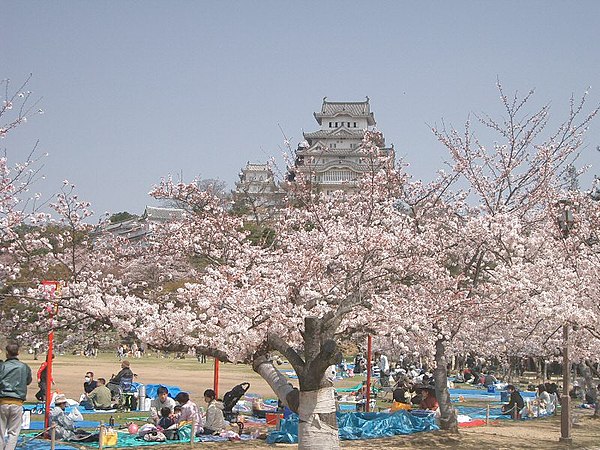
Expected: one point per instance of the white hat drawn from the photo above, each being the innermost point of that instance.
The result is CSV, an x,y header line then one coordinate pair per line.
x,y
60,398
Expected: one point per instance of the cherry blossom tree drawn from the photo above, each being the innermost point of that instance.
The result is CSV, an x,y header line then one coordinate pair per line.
x,y
515,183
16,179
336,262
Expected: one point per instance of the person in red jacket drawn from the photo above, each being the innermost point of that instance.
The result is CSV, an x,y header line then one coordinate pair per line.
x,y
429,401
42,379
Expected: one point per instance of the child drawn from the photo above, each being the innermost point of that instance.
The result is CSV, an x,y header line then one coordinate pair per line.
x,y
176,413
166,420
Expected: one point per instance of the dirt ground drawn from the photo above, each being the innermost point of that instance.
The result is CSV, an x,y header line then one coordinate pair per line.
x,y
188,374
194,377
504,435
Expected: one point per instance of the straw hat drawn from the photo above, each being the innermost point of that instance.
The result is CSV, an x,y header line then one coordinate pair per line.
x,y
59,399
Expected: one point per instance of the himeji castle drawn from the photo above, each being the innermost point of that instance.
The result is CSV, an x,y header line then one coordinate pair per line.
x,y
331,157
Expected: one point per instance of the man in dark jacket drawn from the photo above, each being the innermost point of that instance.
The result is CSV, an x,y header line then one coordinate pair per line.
x,y
14,378
89,384
124,374
515,403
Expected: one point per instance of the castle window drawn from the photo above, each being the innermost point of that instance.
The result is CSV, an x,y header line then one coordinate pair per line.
x,y
336,124
354,124
330,124
348,124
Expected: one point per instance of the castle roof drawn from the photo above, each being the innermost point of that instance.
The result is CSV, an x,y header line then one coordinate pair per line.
x,y
256,167
353,109
162,214
340,133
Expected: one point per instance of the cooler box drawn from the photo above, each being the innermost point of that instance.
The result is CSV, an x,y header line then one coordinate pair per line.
x,y
491,389
273,418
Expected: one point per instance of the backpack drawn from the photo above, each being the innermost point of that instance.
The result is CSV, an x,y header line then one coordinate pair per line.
x,y
155,436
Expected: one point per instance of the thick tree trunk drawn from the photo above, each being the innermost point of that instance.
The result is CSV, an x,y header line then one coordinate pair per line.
x,y
593,371
278,382
589,387
545,371
317,427
537,363
315,402
448,418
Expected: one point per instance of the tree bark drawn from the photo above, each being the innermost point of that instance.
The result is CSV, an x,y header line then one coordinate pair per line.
x,y
277,381
589,387
448,417
590,367
315,402
545,370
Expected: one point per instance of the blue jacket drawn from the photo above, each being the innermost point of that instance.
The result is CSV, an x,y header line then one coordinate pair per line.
x,y
14,378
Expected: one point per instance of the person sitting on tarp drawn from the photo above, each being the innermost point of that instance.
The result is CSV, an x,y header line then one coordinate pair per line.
x,y
189,412
100,397
489,379
89,383
428,399
214,421
166,419
515,403
402,398
65,423
161,401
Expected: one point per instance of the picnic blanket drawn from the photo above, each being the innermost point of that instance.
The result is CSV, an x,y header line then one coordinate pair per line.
x,y
39,425
353,426
483,394
152,390
350,389
26,442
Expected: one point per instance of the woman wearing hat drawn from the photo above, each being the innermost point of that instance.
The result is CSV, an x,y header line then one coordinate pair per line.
x,y
65,423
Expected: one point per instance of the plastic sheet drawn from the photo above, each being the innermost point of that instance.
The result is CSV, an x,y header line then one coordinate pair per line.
x,y
353,426
26,443
39,425
152,390
483,394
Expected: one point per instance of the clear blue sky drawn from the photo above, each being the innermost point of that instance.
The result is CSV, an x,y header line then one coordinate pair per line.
x,y
136,90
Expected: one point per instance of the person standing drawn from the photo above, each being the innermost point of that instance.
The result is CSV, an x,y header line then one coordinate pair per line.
x,y
15,376
42,378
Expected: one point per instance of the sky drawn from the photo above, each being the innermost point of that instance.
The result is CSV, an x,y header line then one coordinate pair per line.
x,y
133,91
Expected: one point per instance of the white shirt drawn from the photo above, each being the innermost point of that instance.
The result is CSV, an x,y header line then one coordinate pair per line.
x,y
384,366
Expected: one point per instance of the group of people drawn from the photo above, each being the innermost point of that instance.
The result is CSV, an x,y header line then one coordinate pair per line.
x,y
408,394
97,393
134,351
167,412
545,402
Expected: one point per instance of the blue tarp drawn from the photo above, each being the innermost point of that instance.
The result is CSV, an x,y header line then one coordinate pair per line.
x,y
360,426
151,390
26,443
39,410
480,413
484,394
39,425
